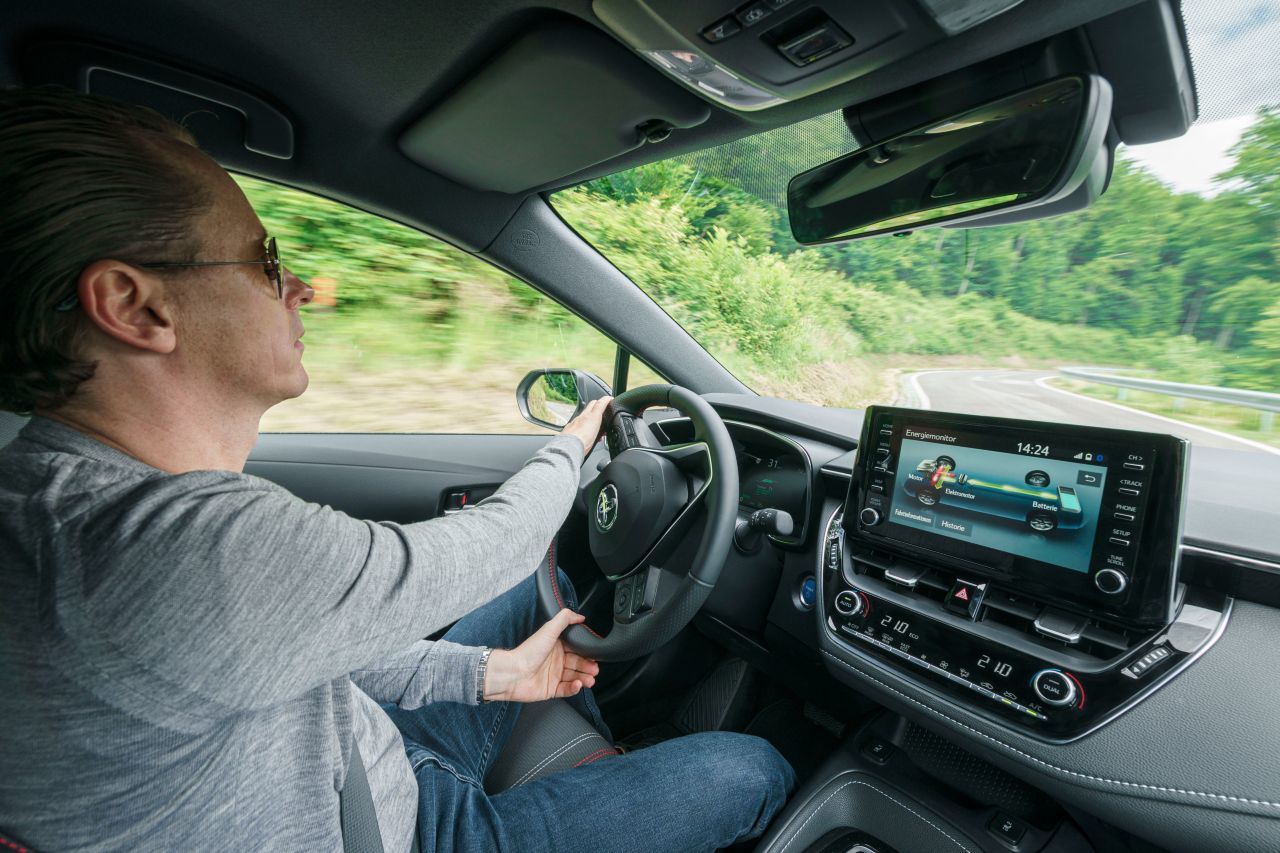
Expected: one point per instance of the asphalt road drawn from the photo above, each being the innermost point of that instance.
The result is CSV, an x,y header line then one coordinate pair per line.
x,y
1026,394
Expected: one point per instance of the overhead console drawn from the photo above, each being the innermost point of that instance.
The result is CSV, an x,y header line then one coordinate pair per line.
x,y
754,55
1027,570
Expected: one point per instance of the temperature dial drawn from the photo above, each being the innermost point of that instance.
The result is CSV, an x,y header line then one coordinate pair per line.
x,y
848,603
1055,688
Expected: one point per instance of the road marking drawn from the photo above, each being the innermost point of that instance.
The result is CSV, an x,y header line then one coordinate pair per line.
x,y
1043,382
913,380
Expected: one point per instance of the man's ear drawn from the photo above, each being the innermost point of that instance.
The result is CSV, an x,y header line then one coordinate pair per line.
x,y
128,304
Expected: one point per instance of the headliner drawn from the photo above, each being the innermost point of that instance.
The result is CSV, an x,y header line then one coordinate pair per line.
x,y
352,76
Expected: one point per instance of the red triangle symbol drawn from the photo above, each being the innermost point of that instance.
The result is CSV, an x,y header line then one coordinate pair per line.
x,y
963,594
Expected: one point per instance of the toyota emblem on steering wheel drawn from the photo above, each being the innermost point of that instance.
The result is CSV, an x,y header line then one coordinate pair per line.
x,y
607,507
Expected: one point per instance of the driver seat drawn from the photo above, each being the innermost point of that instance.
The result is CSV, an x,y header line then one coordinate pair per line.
x,y
549,737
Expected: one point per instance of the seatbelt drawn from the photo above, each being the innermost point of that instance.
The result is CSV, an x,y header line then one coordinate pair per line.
x,y
359,819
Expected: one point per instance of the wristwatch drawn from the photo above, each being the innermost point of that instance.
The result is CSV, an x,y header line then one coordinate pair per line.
x,y
481,669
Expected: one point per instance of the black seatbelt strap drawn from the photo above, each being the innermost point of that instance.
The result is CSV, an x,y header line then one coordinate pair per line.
x,y
359,819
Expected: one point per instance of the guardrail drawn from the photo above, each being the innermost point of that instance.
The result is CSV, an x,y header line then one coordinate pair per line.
x,y
1264,401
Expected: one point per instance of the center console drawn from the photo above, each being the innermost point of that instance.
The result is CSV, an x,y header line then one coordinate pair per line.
x,y
1025,570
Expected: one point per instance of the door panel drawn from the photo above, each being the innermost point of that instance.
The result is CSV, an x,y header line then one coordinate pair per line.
x,y
402,478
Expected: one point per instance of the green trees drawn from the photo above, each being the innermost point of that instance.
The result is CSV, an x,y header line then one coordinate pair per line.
x,y
1146,277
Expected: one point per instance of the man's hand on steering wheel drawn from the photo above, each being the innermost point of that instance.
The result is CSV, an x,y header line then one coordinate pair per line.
x,y
587,425
542,667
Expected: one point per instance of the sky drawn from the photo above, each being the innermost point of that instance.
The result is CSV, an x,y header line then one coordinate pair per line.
x,y
1189,163
1233,56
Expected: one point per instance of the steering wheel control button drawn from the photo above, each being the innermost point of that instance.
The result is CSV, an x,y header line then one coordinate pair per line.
x,y
1010,830
869,516
848,603
1110,581
1055,688
645,593
966,597
877,749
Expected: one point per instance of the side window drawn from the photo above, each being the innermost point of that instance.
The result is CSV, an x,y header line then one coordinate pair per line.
x,y
409,334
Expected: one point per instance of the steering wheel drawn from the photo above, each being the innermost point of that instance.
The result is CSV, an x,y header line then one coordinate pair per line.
x,y
641,506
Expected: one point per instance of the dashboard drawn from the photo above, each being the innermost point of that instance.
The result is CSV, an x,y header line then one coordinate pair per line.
x,y
1133,689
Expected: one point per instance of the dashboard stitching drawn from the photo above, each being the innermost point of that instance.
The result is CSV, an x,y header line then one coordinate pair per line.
x,y
1028,756
821,805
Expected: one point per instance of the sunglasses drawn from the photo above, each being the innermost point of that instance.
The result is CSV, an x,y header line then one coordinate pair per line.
x,y
270,261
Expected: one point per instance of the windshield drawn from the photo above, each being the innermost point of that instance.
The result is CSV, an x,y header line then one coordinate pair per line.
x,y
1104,316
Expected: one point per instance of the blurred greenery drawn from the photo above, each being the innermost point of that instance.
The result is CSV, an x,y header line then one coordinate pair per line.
x,y
1148,278
1176,284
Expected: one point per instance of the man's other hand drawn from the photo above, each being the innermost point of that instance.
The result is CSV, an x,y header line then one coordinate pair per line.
x,y
541,667
586,426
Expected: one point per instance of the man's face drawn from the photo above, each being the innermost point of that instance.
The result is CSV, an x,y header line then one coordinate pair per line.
x,y
235,337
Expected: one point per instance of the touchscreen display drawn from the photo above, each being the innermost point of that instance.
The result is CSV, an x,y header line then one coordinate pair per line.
x,y
1021,501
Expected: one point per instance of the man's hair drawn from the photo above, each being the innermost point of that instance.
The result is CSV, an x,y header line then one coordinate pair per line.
x,y
82,178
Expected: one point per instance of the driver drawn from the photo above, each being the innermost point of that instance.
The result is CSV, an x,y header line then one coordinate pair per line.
x,y
191,656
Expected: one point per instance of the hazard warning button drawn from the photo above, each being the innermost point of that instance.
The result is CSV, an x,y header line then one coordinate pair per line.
x,y
966,597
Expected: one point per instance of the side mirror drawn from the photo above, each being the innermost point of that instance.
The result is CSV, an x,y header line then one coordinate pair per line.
x,y
551,397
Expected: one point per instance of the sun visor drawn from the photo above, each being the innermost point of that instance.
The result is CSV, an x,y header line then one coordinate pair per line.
x,y
560,99
233,125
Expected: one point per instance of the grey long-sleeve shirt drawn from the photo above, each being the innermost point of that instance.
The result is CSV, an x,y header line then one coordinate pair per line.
x,y
175,649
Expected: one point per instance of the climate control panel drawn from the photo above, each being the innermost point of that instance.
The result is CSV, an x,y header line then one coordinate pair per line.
x,y
1006,682
954,637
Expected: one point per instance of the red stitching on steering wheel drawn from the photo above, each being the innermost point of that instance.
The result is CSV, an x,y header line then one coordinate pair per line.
x,y
555,585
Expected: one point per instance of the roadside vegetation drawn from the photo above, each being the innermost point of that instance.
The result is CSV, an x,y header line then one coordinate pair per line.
x,y
1176,284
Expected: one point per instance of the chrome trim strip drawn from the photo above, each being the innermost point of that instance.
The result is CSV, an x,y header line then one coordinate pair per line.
x,y
1236,559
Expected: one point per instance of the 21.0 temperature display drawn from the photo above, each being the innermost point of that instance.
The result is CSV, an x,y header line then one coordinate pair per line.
x,y
998,667
898,626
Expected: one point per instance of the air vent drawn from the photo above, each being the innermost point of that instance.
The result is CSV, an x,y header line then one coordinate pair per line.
x,y
931,587
1096,638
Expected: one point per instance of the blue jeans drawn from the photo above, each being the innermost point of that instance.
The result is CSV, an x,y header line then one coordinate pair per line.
x,y
698,792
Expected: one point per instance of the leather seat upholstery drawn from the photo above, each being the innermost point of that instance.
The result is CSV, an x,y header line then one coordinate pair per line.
x,y
549,737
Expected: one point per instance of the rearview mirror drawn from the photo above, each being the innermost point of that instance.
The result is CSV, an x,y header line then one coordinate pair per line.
x,y
1023,150
554,396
